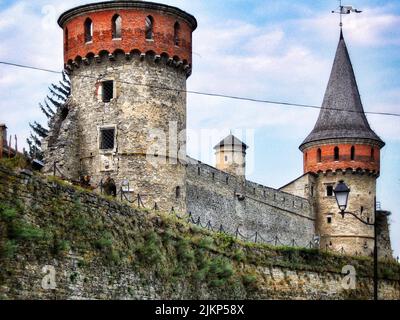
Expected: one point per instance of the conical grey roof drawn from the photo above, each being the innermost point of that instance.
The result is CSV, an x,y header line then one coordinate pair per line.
x,y
342,115
231,140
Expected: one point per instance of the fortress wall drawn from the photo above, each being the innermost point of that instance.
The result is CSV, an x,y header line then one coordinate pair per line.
x,y
62,242
213,196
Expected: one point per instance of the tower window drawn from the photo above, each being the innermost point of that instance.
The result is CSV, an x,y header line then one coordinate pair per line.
x,y
372,154
107,90
336,154
107,138
227,180
88,30
329,191
178,192
198,171
305,156
353,153
149,27
177,28
319,155
226,158
329,219
117,27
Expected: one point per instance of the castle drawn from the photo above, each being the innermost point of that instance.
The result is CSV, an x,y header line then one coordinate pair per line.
x,y
128,62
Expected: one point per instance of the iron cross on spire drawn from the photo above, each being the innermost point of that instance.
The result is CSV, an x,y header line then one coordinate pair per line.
x,y
347,9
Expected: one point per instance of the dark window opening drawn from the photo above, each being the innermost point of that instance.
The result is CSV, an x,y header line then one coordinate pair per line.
x,y
107,138
227,180
372,154
213,176
362,209
198,171
226,158
336,154
329,219
88,30
177,28
312,190
108,90
149,27
353,153
117,27
178,192
319,155
306,156
329,191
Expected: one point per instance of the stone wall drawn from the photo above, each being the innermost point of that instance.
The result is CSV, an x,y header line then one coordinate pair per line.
x,y
62,242
147,123
221,198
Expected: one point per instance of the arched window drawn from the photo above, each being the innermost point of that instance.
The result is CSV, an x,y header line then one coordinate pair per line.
x,y
372,154
66,38
336,154
117,27
353,153
88,30
178,192
149,27
177,28
319,155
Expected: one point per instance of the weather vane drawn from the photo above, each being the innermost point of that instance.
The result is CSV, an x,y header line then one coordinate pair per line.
x,y
347,9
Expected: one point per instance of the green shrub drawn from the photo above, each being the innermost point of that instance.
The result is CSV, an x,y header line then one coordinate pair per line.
x,y
24,231
206,243
150,252
80,222
105,241
9,249
184,252
7,213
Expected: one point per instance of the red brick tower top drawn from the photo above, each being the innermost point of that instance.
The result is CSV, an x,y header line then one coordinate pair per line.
x,y
342,138
128,26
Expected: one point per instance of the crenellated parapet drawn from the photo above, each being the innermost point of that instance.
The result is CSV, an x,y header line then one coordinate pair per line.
x,y
120,55
105,29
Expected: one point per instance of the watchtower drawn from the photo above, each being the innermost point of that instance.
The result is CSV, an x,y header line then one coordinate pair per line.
x,y
342,146
128,62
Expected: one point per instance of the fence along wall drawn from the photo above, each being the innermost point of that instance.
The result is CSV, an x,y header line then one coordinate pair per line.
x,y
277,217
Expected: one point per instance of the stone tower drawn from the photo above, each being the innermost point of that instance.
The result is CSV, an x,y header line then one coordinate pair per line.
x,y
230,156
342,146
128,62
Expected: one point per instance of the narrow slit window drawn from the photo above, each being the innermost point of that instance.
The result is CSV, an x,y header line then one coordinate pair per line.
x,y
149,27
329,219
117,27
353,153
319,155
178,192
336,154
177,28
372,154
107,90
107,138
88,30
329,191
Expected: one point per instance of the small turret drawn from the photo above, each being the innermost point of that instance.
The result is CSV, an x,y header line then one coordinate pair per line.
x,y
231,156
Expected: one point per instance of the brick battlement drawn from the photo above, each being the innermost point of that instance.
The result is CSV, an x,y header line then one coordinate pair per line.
x,y
133,30
364,158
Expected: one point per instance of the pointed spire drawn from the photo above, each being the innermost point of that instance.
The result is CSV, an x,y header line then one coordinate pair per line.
x,y
342,115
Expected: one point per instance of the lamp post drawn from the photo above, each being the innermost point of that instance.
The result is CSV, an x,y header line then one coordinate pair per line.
x,y
342,192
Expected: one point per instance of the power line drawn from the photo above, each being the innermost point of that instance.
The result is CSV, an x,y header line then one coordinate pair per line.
x,y
217,95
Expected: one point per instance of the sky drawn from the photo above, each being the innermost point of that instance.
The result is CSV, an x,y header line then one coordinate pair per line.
x,y
278,50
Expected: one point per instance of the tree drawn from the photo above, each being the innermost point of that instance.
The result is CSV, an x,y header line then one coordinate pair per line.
x,y
53,103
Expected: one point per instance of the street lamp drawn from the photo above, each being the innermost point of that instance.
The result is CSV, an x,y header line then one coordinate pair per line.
x,y
342,192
